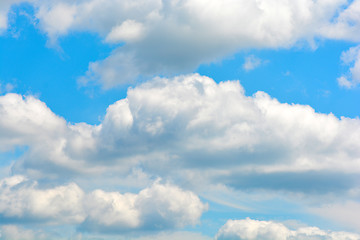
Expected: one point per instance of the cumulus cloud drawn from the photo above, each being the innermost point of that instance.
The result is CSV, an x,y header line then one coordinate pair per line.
x,y
248,229
161,206
172,37
345,25
158,207
27,120
191,123
21,201
352,59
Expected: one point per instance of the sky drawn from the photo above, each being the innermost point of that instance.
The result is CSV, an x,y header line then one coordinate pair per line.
x,y
179,119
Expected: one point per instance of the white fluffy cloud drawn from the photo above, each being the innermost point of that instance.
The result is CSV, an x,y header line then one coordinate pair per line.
x,y
27,120
171,37
249,229
177,36
192,123
157,207
25,201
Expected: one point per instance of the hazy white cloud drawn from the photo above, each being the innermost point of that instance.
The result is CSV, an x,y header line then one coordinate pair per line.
x,y
352,59
13,232
343,213
248,229
5,88
3,21
5,6
252,62
127,31
175,236
119,68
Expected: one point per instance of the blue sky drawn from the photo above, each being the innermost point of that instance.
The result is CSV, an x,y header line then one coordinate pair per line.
x,y
164,119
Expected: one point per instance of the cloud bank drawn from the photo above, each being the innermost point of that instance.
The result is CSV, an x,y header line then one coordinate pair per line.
x,y
161,206
194,124
249,229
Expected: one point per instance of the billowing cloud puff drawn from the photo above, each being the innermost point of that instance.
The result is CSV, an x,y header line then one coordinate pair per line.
x,y
172,37
157,207
27,120
192,123
21,201
249,229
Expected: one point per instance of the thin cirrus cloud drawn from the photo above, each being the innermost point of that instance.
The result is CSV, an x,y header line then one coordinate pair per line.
x,y
172,37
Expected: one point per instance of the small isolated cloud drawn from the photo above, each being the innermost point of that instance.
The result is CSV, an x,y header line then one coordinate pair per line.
x,y
351,58
248,229
6,87
252,62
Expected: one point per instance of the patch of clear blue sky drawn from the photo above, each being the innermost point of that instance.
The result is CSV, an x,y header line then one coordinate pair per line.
x,y
51,75
296,75
275,209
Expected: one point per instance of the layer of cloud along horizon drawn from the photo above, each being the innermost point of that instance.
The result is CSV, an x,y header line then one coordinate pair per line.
x,y
249,229
160,206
